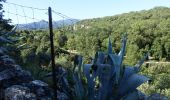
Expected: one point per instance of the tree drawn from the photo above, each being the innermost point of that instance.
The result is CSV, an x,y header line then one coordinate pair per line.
x,y
4,22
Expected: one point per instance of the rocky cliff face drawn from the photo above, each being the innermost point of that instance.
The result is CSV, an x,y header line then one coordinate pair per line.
x,y
18,84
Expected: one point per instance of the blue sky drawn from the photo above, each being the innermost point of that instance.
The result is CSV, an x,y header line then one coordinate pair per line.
x,y
79,9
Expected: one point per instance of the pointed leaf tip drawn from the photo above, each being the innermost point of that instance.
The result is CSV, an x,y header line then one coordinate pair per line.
x,y
13,30
125,37
138,65
110,47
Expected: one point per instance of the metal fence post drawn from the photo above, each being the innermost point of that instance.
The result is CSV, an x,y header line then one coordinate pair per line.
x,y
52,53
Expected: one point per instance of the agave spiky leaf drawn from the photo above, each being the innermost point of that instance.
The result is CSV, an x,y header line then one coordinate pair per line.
x,y
12,30
77,77
110,51
99,58
5,40
79,90
104,75
138,65
122,51
129,84
90,81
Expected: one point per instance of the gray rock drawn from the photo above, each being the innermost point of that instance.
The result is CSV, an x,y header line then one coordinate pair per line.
x,y
39,88
1,94
62,96
4,49
17,92
4,56
1,52
15,73
7,74
4,67
39,83
8,61
141,96
23,75
157,96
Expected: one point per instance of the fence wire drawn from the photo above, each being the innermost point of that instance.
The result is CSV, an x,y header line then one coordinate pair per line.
x,y
21,14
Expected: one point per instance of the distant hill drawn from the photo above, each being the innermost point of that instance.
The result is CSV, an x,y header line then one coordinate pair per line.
x,y
127,20
44,24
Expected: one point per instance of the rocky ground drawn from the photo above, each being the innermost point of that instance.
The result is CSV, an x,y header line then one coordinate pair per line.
x,y
18,84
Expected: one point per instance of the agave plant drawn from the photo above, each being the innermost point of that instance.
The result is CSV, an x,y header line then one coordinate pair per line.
x,y
11,38
4,37
115,79
107,78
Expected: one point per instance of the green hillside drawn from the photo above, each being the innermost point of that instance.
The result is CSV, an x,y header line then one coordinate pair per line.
x,y
148,30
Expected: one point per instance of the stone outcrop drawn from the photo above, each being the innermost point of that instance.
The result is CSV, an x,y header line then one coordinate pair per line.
x,y
157,96
18,84
16,92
